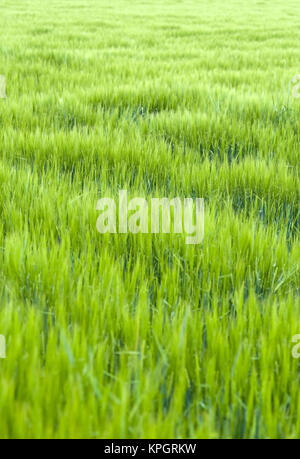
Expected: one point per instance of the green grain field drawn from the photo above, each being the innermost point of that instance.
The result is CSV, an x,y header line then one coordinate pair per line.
x,y
140,335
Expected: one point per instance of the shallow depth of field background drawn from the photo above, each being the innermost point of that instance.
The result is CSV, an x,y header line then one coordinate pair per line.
x,y
141,335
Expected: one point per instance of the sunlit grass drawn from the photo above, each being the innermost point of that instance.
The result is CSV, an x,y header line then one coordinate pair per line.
x,y
141,335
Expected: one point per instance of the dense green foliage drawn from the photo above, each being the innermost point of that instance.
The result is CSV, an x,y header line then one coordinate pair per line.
x,y
142,335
